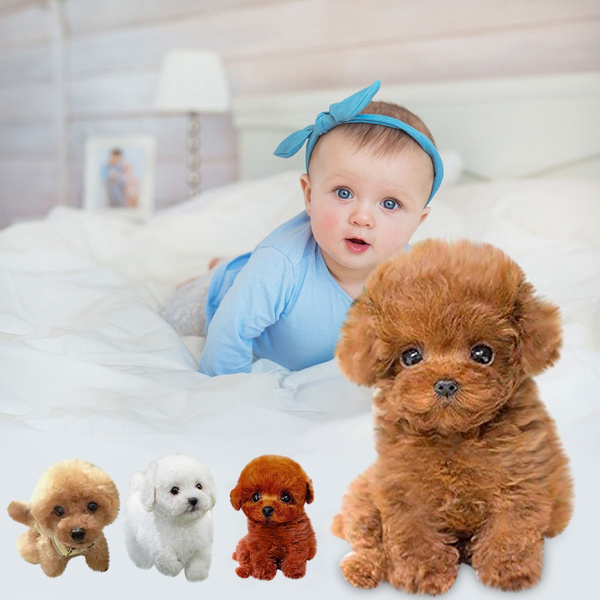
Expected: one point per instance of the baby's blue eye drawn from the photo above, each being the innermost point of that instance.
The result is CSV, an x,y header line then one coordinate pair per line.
x,y
343,193
390,204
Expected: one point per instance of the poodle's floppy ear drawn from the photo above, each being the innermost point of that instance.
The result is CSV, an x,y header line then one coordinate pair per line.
x,y
310,492
235,497
19,511
111,501
540,331
359,351
212,490
141,482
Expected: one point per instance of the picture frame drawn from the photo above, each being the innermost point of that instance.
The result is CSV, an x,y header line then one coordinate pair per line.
x,y
120,175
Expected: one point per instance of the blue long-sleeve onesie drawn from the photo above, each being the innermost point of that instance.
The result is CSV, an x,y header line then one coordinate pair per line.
x,y
279,302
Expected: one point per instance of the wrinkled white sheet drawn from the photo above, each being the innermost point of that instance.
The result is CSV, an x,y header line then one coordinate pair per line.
x,y
88,369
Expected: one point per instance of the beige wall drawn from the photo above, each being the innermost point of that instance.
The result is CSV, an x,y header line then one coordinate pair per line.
x,y
114,47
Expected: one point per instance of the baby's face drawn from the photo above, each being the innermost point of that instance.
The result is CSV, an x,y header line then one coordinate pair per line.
x,y
364,208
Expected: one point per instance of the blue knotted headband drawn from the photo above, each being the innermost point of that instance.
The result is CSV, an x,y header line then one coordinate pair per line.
x,y
348,111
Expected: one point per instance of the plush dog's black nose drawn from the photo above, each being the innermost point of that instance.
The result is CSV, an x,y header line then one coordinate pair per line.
x,y
193,501
268,511
78,534
446,387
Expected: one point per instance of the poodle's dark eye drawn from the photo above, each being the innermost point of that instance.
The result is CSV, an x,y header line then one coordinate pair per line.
x,y
482,354
59,511
255,497
92,506
174,491
411,357
285,497
199,486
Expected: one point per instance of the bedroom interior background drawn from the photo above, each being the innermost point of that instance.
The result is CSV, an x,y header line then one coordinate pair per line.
x,y
68,70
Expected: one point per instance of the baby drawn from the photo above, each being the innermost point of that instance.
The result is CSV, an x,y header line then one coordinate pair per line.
x,y
371,170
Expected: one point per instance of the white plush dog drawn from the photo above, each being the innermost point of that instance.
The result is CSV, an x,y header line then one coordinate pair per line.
x,y
168,519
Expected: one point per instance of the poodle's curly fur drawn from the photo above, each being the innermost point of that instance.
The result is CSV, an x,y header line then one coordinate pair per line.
x,y
470,467
71,504
272,491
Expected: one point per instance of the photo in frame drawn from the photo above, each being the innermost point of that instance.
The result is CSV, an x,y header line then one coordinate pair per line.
x,y
120,175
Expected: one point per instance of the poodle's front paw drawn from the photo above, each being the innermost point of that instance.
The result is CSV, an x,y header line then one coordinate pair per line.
x,y
97,563
168,566
362,569
265,571
294,570
433,574
196,570
510,567
243,571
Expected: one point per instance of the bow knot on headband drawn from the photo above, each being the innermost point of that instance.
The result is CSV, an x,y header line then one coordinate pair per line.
x,y
348,111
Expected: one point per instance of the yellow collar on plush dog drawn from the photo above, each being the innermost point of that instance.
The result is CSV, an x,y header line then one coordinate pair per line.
x,y
61,548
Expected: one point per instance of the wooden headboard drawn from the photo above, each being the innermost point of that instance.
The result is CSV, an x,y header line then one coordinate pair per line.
x,y
502,128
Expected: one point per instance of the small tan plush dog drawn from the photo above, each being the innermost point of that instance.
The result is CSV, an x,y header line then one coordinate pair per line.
x,y
71,504
469,467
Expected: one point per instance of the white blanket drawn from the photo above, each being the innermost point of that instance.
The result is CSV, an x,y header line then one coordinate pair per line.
x,y
89,370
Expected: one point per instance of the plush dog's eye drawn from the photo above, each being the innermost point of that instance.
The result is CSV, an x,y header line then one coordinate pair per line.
x,y
255,497
285,497
174,491
59,511
199,486
92,507
482,354
411,357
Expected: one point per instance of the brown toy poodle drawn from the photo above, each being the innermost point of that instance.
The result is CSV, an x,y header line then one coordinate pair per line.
x,y
71,504
272,491
470,467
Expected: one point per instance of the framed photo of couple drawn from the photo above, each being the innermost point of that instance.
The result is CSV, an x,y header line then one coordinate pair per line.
x,y
120,175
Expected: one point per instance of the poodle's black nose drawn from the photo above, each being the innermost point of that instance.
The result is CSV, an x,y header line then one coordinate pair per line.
x,y
268,511
78,534
446,387
193,501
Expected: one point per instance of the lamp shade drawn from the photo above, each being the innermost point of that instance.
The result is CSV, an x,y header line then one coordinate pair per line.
x,y
193,81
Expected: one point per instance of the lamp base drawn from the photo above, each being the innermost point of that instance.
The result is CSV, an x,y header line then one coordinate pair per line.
x,y
193,154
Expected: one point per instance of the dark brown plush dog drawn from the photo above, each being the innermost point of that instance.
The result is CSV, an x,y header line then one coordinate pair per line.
x,y
469,467
71,504
272,491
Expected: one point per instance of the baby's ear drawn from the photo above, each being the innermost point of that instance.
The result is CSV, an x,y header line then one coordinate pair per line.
x,y
141,483
359,352
540,330
310,492
235,497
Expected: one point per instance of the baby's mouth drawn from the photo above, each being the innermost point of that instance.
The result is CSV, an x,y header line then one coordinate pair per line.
x,y
357,245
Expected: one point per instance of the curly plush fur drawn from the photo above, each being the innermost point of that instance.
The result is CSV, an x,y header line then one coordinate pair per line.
x,y
272,491
71,504
469,467
168,517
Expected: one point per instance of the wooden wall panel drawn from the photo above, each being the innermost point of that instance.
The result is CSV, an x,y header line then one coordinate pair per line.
x,y
84,16
28,138
28,188
555,49
318,28
31,25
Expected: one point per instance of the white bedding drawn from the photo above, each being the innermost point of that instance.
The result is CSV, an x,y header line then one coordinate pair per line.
x,y
89,370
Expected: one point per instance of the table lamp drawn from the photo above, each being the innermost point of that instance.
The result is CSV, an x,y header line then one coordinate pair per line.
x,y
193,82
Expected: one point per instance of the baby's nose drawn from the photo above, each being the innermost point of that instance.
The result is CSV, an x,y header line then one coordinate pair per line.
x,y
361,216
